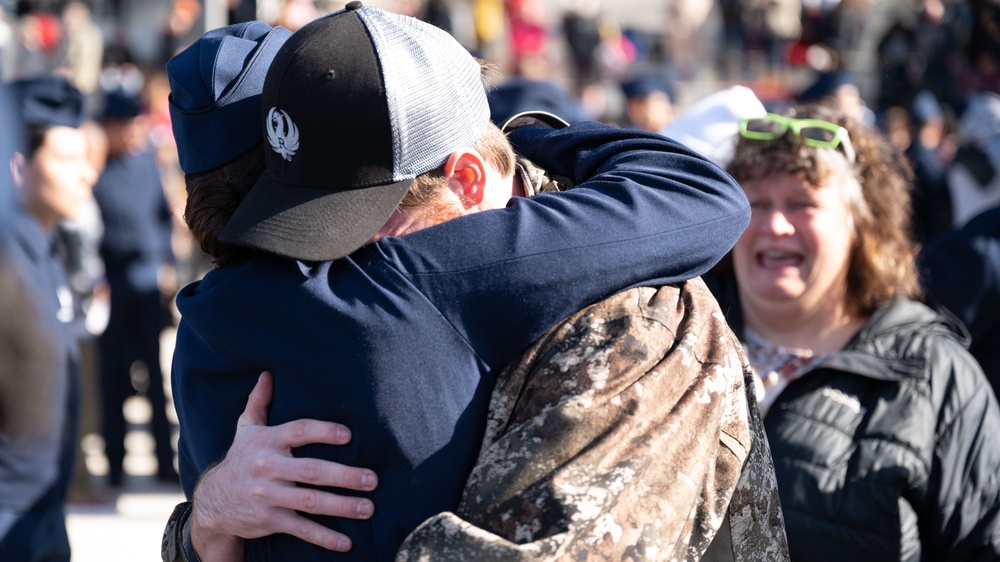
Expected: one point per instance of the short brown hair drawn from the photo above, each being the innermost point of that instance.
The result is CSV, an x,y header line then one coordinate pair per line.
x,y
883,259
213,196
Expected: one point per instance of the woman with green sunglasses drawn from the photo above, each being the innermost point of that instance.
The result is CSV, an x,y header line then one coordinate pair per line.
x,y
881,425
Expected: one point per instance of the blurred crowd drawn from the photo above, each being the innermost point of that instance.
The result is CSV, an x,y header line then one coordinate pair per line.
x,y
925,74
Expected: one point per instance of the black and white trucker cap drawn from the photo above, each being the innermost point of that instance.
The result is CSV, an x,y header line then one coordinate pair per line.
x,y
356,104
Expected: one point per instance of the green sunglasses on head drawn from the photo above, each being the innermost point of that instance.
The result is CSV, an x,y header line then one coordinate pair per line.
x,y
811,132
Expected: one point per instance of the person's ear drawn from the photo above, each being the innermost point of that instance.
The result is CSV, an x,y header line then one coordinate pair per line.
x,y
18,163
465,171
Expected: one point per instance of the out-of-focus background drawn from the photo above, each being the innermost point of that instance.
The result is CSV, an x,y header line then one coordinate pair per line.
x,y
913,65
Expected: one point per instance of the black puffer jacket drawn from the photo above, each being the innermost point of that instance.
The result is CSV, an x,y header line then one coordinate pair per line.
x,y
890,449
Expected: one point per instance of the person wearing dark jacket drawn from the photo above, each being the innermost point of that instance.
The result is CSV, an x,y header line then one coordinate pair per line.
x,y
882,425
137,261
961,270
38,435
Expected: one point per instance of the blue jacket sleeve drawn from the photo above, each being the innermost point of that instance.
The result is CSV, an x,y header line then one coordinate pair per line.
x,y
701,197
645,211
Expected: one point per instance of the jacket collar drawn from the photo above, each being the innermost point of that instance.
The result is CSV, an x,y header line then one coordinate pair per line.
x,y
881,349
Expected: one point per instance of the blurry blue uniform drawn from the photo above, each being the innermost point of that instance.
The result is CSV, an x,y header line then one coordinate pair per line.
x,y
137,226
41,475
961,270
401,340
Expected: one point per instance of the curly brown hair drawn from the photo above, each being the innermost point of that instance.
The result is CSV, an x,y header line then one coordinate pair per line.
x,y
883,261
213,196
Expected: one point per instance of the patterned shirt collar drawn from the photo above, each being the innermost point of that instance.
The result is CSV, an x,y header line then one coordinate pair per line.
x,y
776,366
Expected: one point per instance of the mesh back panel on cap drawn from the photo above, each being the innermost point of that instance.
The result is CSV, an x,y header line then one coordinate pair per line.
x,y
437,101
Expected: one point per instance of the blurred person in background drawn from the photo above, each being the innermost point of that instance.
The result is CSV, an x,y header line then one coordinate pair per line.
x,y
930,153
881,424
770,27
490,26
139,266
82,47
973,178
53,178
37,35
961,267
961,270
181,28
79,241
581,27
518,95
296,13
839,90
982,51
940,30
649,102
898,71
683,39
528,38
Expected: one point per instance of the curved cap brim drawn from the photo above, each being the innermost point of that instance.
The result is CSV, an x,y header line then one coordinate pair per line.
x,y
534,117
311,224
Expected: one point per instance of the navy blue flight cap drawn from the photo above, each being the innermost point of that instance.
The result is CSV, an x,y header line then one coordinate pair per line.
x,y
826,84
119,105
49,100
646,84
215,87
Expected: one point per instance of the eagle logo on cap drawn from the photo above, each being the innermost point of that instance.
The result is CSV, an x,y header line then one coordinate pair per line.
x,y
282,133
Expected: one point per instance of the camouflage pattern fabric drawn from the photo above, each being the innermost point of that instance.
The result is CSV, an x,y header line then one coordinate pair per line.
x,y
628,432
536,180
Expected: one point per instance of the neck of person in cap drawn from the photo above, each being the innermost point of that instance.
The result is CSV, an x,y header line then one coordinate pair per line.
x,y
469,184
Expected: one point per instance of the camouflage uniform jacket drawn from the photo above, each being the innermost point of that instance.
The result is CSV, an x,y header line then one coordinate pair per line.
x,y
628,432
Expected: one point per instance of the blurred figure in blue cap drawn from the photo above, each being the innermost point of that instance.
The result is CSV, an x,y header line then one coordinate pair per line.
x,y
931,152
518,95
138,263
649,102
838,89
53,178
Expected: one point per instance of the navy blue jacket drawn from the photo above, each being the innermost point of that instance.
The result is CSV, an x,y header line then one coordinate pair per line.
x,y
137,220
401,340
42,477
